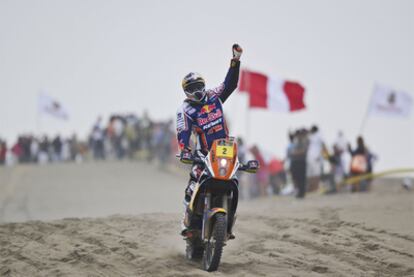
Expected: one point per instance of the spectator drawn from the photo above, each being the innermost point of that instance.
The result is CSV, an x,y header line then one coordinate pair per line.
x,y
44,150
361,163
147,128
34,150
277,175
17,150
297,157
97,141
241,150
3,152
340,147
131,133
262,176
73,147
66,150
25,142
162,141
57,149
314,157
243,178
118,129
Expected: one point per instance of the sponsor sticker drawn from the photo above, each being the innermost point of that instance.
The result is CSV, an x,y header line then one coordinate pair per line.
x,y
181,126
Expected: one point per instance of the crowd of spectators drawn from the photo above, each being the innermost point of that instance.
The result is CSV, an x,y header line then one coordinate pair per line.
x,y
311,165
122,137
131,137
32,149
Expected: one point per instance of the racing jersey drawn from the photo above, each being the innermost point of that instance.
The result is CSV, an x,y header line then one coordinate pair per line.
x,y
206,120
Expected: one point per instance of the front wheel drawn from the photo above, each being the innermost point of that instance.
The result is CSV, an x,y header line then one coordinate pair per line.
x,y
214,246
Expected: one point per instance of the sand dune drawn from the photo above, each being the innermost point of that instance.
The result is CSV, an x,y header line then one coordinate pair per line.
x,y
341,235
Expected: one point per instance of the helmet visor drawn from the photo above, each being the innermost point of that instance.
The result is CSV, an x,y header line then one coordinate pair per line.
x,y
195,91
192,88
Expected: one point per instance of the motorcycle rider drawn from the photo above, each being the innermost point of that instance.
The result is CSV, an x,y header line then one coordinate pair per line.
x,y
201,114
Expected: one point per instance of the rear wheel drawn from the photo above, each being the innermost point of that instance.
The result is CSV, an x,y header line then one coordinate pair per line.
x,y
214,246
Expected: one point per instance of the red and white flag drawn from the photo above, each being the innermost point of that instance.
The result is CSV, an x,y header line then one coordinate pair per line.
x,y
272,93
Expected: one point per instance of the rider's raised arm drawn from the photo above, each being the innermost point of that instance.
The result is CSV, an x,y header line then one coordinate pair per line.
x,y
231,80
232,77
184,126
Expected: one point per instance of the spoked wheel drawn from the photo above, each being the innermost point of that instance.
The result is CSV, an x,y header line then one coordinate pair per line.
x,y
214,247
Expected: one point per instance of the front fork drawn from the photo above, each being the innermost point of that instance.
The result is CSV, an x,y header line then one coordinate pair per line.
x,y
209,213
205,215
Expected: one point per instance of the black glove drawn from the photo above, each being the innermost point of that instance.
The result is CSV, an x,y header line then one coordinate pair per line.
x,y
237,51
186,156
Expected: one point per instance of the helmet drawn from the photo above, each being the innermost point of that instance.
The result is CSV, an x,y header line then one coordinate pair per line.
x,y
194,87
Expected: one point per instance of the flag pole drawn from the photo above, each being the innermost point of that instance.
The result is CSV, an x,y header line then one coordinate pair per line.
x,y
244,86
247,125
364,119
38,124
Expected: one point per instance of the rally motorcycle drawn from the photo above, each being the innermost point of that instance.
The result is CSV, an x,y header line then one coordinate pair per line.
x,y
211,212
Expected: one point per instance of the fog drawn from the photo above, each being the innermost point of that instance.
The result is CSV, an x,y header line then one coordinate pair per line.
x,y
101,57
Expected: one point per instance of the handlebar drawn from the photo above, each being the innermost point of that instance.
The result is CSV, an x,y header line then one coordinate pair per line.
x,y
194,159
250,166
197,160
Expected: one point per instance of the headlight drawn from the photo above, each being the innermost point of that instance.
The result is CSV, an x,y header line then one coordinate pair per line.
x,y
223,164
223,172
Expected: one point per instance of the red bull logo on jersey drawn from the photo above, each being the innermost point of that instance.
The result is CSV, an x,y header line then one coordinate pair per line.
x,y
210,117
207,109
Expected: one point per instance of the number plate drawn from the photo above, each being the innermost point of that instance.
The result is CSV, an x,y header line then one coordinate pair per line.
x,y
224,151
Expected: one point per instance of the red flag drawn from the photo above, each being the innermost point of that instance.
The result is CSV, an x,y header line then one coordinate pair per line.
x,y
270,93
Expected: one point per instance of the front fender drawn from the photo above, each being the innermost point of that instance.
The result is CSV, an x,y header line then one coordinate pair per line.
x,y
209,221
214,211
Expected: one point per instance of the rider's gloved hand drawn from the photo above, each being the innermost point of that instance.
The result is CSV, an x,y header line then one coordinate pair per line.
x,y
237,51
186,156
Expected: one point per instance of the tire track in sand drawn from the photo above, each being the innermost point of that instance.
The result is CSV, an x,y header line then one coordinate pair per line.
x,y
149,245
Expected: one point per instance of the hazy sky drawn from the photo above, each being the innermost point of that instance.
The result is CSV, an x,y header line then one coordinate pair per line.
x,y
99,57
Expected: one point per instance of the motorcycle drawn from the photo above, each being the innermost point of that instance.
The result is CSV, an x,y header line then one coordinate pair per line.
x,y
211,213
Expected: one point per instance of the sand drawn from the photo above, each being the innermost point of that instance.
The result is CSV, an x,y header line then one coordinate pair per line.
x,y
122,219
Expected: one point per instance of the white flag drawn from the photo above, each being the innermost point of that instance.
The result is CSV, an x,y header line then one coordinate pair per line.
x,y
52,107
389,102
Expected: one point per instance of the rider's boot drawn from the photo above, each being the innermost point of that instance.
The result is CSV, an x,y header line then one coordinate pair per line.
x,y
230,234
187,198
184,221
